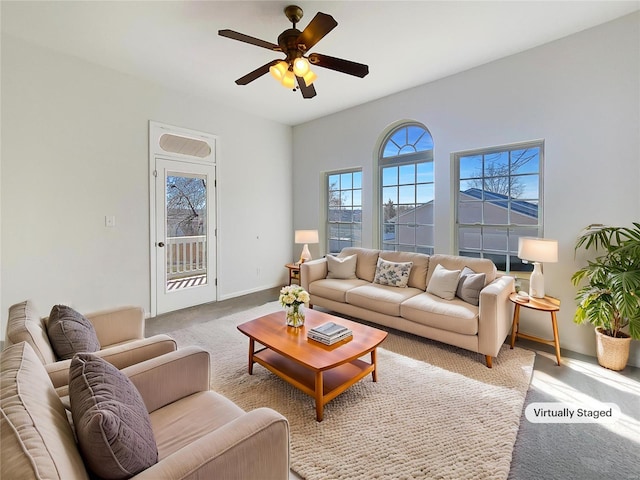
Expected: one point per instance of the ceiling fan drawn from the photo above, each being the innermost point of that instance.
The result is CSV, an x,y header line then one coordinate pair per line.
x,y
296,67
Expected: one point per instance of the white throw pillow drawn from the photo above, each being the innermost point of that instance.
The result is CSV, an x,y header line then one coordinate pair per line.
x,y
469,286
394,274
342,268
443,282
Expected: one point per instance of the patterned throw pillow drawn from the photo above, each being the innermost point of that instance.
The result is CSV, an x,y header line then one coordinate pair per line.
x,y
70,332
469,286
443,282
392,273
112,423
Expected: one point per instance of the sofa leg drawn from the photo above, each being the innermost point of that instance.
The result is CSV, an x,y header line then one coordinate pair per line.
x,y
489,360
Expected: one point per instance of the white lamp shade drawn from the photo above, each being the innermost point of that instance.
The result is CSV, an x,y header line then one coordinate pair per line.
x,y
300,66
306,236
537,249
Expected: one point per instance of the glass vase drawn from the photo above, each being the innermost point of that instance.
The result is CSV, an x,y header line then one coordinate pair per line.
x,y
295,315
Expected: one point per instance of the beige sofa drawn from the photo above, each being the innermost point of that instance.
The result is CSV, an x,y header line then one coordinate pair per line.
x,y
482,328
199,434
120,332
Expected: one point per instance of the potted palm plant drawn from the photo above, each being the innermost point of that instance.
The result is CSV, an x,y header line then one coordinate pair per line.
x,y
609,297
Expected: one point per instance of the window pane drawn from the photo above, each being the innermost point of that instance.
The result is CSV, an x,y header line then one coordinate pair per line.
x,y
499,260
407,174
424,172
347,198
470,212
528,186
346,181
496,164
471,167
390,194
334,182
407,214
389,176
472,187
525,161
469,238
494,239
357,198
424,235
424,193
425,142
407,194
407,235
496,213
357,179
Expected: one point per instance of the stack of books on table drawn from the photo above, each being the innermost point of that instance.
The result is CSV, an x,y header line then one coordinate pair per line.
x,y
329,333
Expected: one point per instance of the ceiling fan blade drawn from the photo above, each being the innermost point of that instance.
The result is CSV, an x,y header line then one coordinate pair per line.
x,y
318,27
340,65
257,73
241,37
307,91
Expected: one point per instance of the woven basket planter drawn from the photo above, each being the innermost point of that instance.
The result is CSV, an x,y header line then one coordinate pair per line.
x,y
612,352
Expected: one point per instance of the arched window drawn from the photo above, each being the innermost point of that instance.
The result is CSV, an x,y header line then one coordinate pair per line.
x,y
406,189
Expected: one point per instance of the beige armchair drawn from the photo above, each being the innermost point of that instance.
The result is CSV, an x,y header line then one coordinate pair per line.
x,y
119,330
199,433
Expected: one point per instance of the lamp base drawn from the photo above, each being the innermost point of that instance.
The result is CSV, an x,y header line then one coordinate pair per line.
x,y
305,256
536,282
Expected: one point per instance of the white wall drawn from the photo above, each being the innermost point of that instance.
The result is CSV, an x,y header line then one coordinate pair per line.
x,y
75,148
580,94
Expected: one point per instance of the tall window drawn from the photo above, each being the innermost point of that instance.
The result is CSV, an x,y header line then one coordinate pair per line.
x,y
406,183
499,192
344,215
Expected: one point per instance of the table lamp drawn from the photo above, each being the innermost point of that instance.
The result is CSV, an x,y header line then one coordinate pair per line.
x,y
306,237
537,250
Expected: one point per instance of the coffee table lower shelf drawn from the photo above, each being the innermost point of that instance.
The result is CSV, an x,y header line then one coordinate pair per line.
x,y
325,385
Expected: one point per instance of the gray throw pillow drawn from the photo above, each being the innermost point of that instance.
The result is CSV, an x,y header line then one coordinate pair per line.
x,y
443,283
343,268
70,332
111,421
469,286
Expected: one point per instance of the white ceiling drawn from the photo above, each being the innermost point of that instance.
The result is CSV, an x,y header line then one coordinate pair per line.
x,y
405,43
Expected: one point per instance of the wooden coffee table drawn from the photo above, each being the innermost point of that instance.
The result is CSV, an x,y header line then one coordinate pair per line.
x,y
321,371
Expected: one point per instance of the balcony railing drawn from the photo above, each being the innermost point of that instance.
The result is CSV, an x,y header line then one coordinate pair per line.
x,y
186,256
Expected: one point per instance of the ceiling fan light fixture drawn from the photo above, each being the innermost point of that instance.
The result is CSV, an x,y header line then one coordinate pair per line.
x,y
289,79
300,66
279,70
309,77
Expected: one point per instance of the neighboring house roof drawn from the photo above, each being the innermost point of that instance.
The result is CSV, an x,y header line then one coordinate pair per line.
x,y
520,206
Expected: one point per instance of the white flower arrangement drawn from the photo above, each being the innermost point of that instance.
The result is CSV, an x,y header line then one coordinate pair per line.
x,y
293,295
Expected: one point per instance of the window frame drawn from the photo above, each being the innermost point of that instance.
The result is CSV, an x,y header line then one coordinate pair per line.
x,y
512,263
401,160
353,242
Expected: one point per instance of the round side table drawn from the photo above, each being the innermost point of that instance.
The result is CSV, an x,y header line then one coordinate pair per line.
x,y
546,304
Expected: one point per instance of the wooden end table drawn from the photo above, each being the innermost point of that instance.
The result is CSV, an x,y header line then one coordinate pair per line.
x,y
294,272
321,371
546,304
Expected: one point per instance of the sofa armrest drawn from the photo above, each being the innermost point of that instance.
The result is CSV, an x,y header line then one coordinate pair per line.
x,y
254,445
495,315
165,379
312,271
118,325
120,356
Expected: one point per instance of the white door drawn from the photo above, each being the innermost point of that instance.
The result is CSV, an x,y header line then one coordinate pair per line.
x,y
185,243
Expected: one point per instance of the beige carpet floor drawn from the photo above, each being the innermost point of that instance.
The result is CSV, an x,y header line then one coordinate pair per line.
x,y
436,412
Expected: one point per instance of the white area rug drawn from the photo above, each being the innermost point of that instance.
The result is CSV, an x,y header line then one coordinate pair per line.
x,y
435,412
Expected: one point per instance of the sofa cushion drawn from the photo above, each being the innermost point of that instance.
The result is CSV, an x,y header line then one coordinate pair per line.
x,y
443,282
26,325
111,420
380,298
418,273
342,267
70,332
334,289
36,437
393,274
453,262
366,264
470,285
451,315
